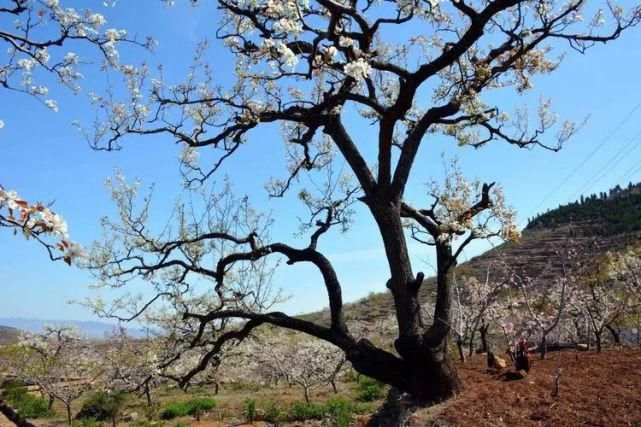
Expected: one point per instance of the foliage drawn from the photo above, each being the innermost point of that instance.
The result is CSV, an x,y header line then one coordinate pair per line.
x,y
102,405
339,411
608,214
194,407
147,424
88,422
249,408
369,389
27,405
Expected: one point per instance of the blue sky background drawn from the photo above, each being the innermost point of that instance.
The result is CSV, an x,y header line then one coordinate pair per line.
x,y
44,158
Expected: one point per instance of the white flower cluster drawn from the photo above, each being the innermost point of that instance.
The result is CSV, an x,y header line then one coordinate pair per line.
x,y
286,55
358,69
37,219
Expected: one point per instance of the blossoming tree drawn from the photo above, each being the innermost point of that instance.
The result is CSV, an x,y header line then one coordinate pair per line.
x,y
60,361
307,66
308,363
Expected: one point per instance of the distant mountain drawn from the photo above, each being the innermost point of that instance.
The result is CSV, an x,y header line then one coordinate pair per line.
x,y
92,329
611,218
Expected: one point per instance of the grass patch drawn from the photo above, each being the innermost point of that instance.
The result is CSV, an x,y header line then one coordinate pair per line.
x,y
193,407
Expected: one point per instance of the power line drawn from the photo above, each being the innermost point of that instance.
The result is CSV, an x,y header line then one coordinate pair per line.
x,y
589,156
611,164
629,173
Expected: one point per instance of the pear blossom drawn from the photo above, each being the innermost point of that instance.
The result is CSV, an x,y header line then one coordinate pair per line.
x,y
51,104
345,41
358,69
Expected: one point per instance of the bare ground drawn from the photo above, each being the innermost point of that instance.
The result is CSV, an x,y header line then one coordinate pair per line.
x,y
594,390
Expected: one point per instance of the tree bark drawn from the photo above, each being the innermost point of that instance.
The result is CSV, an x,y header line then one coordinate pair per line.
x,y
471,343
544,346
615,334
68,407
597,336
459,345
483,330
425,369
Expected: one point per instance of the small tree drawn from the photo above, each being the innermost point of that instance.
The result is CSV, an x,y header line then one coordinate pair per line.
x,y
60,361
306,363
600,298
474,298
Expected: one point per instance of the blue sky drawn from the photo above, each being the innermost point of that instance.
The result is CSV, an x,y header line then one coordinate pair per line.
x,y
44,158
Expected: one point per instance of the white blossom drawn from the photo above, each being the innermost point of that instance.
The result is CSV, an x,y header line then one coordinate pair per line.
x,y
358,69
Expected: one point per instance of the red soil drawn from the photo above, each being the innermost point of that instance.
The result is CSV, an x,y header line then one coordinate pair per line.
x,y
595,390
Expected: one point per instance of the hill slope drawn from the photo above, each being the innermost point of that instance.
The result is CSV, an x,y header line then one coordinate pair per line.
x,y
613,219
8,335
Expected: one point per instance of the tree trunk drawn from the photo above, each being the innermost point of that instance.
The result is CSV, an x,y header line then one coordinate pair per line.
x,y
459,344
215,388
544,346
69,420
148,394
597,336
50,404
615,334
306,392
334,388
424,369
483,330
471,343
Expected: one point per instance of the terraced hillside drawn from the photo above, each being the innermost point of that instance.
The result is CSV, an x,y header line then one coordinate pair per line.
x,y
597,223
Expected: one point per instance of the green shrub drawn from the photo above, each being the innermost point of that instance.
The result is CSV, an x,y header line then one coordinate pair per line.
x,y
147,424
249,408
175,410
301,411
27,405
338,411
193,407
275,412
368,389
341,411
198,407
88,422
102,405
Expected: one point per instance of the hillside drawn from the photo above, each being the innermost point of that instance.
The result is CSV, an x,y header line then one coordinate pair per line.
x,y
8,335
612,219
